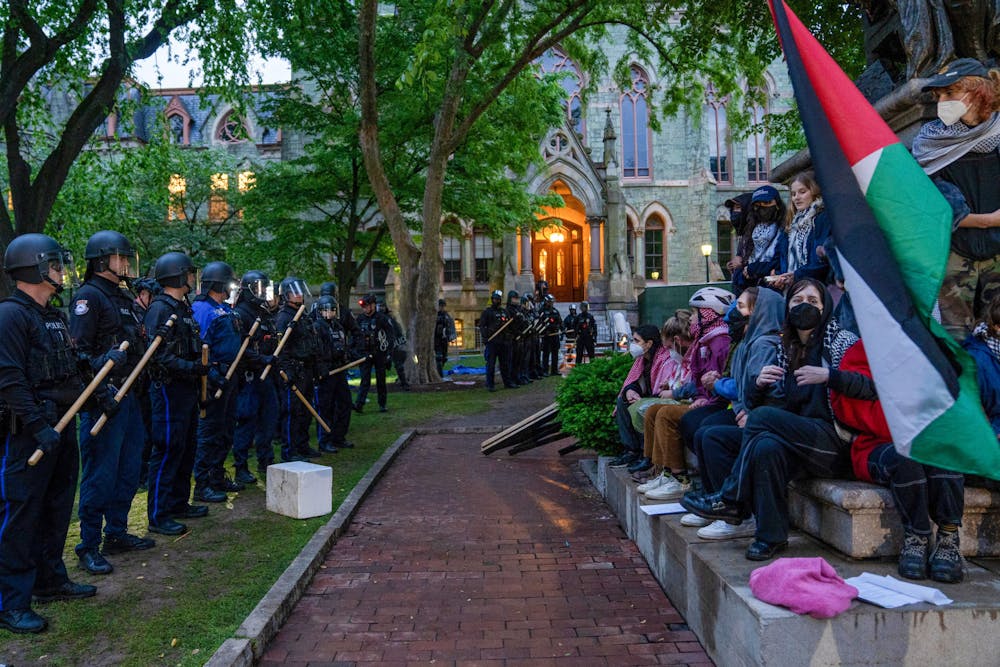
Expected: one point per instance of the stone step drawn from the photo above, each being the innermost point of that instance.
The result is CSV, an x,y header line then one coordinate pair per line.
x,y
708,583
860,519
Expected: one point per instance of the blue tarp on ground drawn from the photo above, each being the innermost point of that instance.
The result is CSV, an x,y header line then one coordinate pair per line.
x,y
459,369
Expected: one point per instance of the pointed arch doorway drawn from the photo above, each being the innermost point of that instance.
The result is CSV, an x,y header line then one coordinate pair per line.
x,y
558,252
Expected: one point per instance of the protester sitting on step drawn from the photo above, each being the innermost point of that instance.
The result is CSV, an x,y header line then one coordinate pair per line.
x,y
920,492
716,443
646,374
706,358
797,439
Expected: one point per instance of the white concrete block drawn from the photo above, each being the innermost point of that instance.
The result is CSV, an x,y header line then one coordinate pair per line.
x,y
299,489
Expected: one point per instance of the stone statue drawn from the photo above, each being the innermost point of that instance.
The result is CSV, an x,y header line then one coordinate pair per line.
x,y
916,38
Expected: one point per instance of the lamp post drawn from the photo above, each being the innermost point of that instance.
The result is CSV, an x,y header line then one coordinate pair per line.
x,y
706,250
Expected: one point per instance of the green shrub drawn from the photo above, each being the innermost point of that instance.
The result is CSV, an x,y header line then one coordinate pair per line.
x,y
586,398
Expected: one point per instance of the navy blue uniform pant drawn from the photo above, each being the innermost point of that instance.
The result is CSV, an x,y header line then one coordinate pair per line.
x,y
256,421
332,400
377,362
215,438
36,503
294,421
921,492
550,354
175,424
497,353
111,462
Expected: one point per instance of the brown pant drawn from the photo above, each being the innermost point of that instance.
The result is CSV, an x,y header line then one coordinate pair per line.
x,y
661,436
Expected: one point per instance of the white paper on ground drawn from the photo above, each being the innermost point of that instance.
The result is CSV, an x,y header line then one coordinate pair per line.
x,y
667,508
888,592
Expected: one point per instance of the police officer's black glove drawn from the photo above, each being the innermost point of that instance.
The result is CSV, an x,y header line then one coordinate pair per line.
x,y
47,439
200,369
267,359
217,379
107,403
114,354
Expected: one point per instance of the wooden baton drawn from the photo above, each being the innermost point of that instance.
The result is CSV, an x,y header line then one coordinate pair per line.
x,y
78,403
305,401
346,366
239,356
497,332
130,380
284,339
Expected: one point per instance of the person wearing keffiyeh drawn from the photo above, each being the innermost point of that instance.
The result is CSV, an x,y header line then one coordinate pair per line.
x,y
798,439
646,374
960,150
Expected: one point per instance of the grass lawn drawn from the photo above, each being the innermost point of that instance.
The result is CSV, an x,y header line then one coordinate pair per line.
x,y
176,603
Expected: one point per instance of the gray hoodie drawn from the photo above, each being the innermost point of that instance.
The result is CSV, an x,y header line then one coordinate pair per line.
x,y
758,348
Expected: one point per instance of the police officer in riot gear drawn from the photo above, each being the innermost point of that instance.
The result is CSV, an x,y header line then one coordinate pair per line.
x,y
444,334
297,360
39,379
586,334
256,400
329,288
569,324
551,333
145,290
375,341
332,396
174,392
220,330
102,316
398,346
496,348
520,344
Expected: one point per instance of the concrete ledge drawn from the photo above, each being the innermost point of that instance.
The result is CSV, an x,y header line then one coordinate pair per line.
x,y
708,583
251,638
860,519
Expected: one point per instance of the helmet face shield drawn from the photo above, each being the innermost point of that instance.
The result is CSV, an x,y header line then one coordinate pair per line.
x,y
60,263
295,287
124,265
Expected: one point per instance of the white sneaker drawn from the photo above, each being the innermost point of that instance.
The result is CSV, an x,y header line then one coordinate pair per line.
x,y
694,521
720,530
653,483
670,489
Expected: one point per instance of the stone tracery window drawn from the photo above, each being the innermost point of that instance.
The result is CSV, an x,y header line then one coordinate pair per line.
x,y
554,61
635,127
232,129
719,149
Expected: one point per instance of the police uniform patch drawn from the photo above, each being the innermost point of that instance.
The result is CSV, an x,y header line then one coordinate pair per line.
x,y
81,307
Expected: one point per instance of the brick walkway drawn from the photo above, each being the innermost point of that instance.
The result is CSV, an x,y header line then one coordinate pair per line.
x,y
457,558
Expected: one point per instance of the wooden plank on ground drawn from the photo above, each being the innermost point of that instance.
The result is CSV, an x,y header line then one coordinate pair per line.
x,y
517,430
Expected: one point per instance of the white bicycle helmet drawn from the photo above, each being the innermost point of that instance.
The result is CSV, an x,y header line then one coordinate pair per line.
x,y
715,298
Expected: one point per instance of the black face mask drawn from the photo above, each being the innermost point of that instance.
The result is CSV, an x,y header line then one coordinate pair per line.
x,y
805,316
737,325
768,213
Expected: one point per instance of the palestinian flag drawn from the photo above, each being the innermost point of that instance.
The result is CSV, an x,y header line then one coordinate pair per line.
x,y
892,229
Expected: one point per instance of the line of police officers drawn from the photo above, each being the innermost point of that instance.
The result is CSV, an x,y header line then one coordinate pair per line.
x,y
45,363
524,339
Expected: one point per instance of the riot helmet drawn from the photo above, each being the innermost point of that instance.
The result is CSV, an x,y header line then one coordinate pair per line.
x,y
257,287
441,304
367,303
549,300
218,277
572,308
146,285
513,298
329,288
173,269
496,297
103,246
294,289
542,287
30,257
584,306
326,305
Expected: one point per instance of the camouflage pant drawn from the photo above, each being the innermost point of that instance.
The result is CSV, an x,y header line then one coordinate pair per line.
x,y
968,287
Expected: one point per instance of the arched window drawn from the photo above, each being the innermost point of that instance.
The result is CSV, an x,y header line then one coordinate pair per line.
x,y
655,249
718,135
554,61
178,122
758,148
635,127
232,129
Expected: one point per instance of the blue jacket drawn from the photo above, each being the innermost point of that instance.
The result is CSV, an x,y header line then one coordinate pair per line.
x,y
220,329
988,376
816,267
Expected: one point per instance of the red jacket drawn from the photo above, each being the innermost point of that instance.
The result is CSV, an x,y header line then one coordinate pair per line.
x,y
864,417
